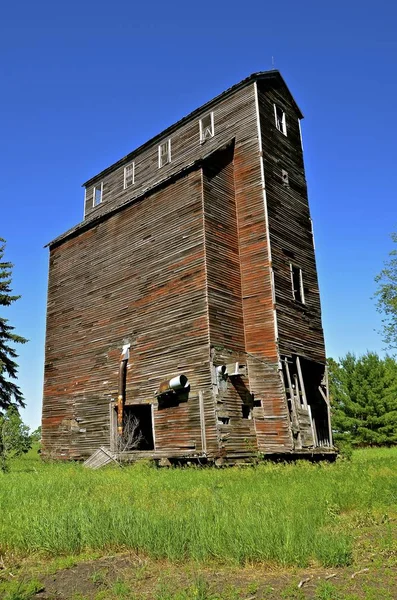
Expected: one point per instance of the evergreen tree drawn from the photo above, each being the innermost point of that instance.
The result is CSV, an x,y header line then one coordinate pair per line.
x,y
364,399
9,391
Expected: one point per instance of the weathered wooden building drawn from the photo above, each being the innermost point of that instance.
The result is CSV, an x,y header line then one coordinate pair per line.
x,y
196,251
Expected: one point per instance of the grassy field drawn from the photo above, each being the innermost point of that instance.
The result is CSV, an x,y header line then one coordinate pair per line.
x,y
312,516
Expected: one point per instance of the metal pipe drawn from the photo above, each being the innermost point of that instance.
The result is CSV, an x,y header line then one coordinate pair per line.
x,y
178,383
122,387
174,385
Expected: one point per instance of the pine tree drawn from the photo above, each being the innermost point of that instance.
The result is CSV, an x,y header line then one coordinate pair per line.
x,y
364,399
10,394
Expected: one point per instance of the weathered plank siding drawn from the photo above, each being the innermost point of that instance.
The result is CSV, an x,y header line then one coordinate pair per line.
x,y
271,419
138,277
222,253
299,325
190,265
232,118
225,310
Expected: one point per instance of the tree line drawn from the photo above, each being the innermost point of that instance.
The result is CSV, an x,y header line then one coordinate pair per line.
x,y
364,389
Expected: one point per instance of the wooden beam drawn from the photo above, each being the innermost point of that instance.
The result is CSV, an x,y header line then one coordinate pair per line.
x,y
302,384
293,404
331,442
202,423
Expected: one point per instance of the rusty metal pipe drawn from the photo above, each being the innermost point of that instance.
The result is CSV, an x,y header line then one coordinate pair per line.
x,y
121,388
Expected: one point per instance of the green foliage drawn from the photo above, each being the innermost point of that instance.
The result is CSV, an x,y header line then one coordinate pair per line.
x,y
36,435
14,435
386,297
327,591
287,514
20,591
204,521
364,399
9,391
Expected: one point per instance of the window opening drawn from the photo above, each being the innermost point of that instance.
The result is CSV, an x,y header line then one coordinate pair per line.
x,y
285,178
297,283
279,116
164,153
223,420
129,175
247,411
98,193
207,127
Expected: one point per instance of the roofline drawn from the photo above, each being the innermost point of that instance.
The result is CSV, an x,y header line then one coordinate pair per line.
x,y
260,75
86,225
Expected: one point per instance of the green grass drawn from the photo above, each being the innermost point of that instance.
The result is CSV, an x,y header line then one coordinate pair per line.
x,y
293,514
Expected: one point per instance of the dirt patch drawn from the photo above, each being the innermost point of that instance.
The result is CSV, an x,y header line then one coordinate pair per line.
x,y
128,576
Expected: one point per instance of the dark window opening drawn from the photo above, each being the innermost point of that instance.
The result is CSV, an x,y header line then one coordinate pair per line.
x,y
165,153
138,428
297,284
129,175
223,420
285,178
98,194
207,127
279,115
247,411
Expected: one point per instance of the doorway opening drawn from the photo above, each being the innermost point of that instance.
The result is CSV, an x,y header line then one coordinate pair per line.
x,y
137,429
307,402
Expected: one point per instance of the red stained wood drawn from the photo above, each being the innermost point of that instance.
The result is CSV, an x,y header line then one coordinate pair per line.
x,y
179,266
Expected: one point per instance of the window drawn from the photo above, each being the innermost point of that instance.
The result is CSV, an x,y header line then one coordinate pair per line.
x,y
312,232
297,284
98,193
207,127
279,116
129,175
285,178
164,153
247,411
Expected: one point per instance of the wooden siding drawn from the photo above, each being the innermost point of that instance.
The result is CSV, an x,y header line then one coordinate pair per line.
x,y
222,253
226,325
271,418
231,117
179,265
138,277
299,325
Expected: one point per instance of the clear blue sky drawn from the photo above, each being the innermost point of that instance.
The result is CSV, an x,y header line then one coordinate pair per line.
x,y
84,83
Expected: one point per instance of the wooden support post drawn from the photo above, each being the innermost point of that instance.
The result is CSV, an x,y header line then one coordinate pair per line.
x,y
297,394
295,420
302,384
313,426
112,425
202,423
291,389
331,442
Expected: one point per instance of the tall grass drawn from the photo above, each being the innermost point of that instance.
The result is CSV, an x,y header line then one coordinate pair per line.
x,y
284,513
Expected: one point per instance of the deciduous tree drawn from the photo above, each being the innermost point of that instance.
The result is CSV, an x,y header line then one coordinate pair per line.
x,y
14,435
386,298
